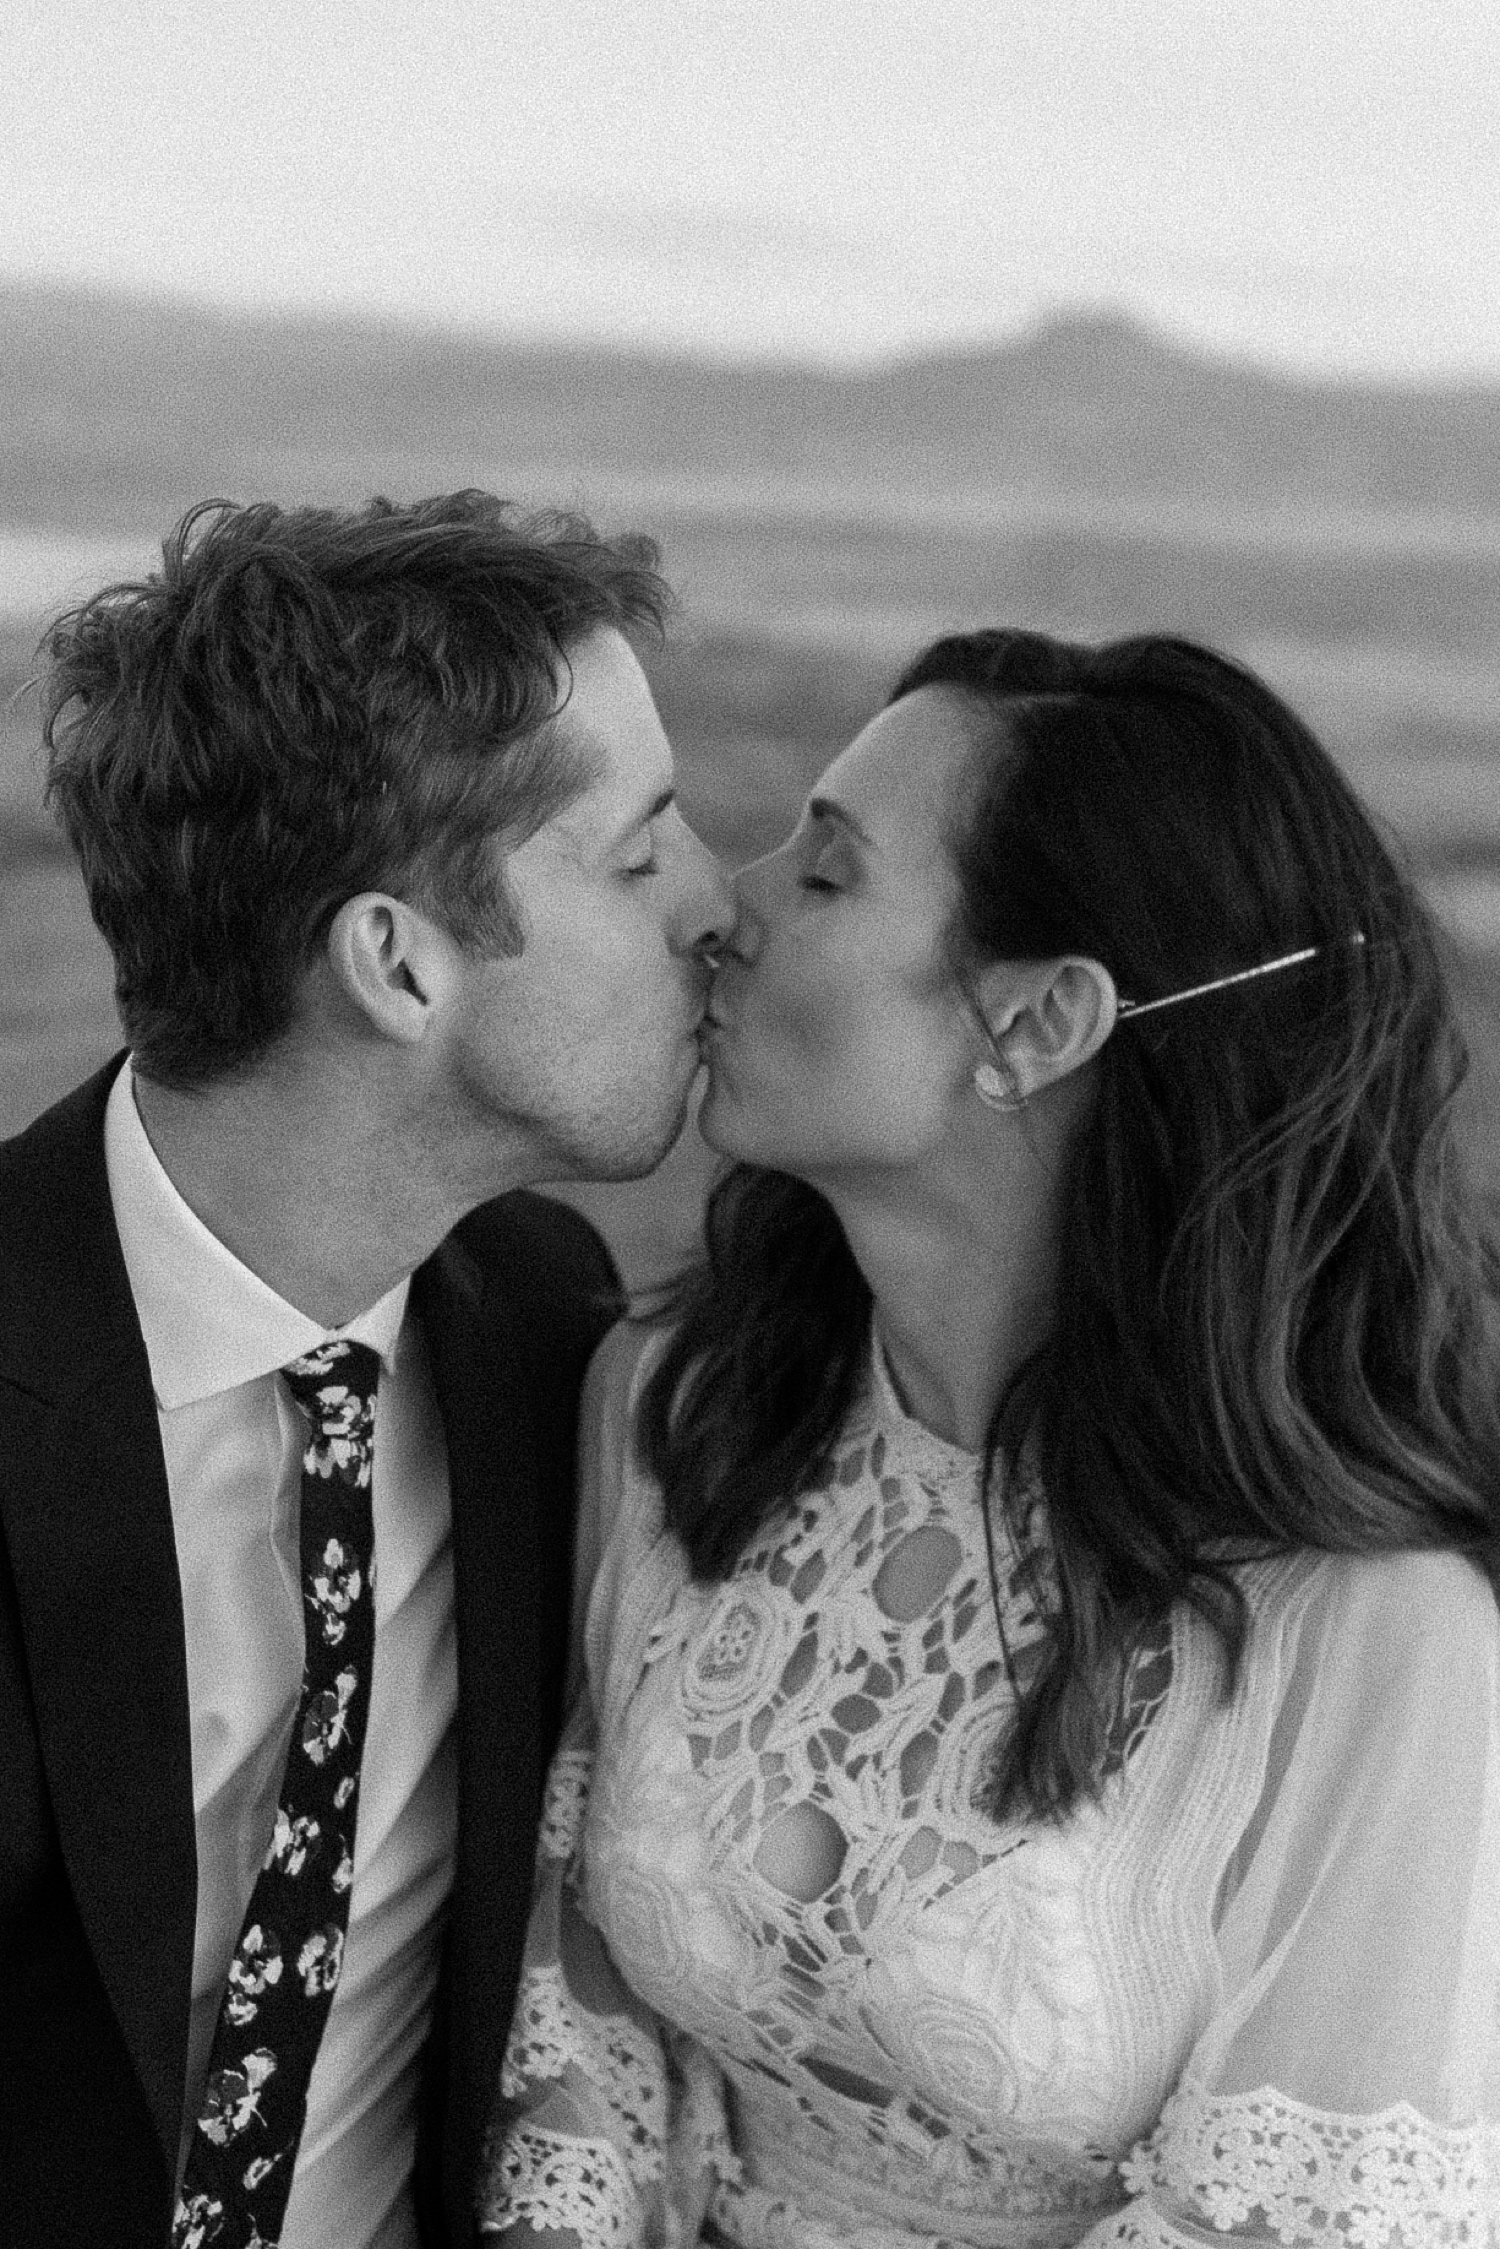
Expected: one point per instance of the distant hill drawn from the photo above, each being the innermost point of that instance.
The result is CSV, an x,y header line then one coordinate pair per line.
x,y
115,412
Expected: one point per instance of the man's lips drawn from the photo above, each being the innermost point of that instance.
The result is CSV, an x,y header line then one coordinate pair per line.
x,y
716,1018
710,1031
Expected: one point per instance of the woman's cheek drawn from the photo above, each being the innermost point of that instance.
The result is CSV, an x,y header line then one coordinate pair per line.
x,y
816,1022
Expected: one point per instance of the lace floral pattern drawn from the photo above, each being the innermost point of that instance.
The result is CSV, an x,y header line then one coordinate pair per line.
x,y
789,1986
789,1856
565,1803
623,2060
546,2179
1268,2164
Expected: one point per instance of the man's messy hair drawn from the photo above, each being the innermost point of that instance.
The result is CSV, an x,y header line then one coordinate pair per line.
x,y
302,704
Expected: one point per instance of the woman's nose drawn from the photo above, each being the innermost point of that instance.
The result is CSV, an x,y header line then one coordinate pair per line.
x,y
743,941
749,918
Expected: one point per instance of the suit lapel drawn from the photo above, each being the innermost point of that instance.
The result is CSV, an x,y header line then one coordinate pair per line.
x,y
88,1525
492,1474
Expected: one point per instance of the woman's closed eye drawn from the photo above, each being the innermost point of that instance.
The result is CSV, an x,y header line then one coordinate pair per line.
x,y
826,868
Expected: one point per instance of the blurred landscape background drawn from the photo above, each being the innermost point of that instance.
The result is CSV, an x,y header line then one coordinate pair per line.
x,y
1088,476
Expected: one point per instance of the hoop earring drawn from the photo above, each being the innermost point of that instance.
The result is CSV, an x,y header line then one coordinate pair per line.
x,y
993,1090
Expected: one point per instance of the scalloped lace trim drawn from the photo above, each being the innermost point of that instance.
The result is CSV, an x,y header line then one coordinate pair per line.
x,y
566,1802
622,2062
1260,2161
544,2179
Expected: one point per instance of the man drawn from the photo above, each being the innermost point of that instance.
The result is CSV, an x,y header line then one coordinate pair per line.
x,y
375,812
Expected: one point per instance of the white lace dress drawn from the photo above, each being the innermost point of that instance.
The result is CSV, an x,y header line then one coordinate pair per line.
x,y
1254,1992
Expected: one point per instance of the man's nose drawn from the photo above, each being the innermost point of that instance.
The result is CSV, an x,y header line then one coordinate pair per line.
x,y
708,910
743,940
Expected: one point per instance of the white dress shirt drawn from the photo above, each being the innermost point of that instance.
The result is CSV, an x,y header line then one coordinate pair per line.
x,y
215,1336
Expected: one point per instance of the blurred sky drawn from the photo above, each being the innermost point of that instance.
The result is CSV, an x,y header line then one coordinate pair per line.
x,y
1313,181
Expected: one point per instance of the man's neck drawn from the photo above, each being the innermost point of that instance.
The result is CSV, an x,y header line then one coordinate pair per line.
x,y
307,1182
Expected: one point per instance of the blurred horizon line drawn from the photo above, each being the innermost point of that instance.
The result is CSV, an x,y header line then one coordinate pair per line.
x,y
1118,315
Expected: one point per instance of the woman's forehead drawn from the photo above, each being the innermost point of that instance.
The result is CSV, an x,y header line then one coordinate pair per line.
x,y
897,777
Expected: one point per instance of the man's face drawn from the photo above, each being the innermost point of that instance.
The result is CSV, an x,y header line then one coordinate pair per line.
x,y
583,1047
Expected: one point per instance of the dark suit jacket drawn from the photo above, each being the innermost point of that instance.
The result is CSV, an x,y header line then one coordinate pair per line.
x,y
97,1861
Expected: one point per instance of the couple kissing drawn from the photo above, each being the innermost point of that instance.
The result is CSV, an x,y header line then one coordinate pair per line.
x,y
975,1719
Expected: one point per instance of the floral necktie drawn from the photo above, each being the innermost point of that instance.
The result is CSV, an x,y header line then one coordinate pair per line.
x,y
286,1964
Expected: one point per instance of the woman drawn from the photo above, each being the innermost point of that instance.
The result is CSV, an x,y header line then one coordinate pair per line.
x,y
1043,1636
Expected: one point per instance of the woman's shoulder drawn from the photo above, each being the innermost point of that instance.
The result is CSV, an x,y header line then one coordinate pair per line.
x,y
1398,1628
1430,1587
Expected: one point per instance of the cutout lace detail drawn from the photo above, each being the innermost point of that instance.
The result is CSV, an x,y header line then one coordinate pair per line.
x,y
815,1686
1266,2164
544,2179
623,2062
882,2021
789,1857
566,1802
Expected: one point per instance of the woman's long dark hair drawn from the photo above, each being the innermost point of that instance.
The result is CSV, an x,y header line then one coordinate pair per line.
x,y
1278,1312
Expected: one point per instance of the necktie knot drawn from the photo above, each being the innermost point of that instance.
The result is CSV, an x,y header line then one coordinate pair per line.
x,y
335,1387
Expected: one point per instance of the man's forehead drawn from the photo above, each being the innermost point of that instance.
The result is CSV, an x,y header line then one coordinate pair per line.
x,y
622,786
618,768
606,732
604,696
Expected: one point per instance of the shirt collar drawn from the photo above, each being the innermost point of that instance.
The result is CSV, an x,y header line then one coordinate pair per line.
x,y
209,1323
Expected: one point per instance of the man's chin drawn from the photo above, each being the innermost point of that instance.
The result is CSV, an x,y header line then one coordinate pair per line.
x,y
674,1129
652,1151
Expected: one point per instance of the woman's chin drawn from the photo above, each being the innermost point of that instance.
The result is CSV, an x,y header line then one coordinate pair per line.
x,y
715,1112
723,1120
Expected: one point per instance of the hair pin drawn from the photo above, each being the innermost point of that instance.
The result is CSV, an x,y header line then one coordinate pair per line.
x,y
1128,1009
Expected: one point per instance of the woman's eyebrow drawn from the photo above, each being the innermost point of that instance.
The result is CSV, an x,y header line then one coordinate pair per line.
x,y
828,808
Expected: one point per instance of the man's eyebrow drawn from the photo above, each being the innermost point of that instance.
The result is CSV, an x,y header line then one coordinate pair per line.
x,y
828,808
653,811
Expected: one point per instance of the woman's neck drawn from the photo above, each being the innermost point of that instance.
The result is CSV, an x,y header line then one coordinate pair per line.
x,y
964,1292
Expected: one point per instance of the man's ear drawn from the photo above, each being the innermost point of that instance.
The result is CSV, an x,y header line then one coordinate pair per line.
x,y
1047,1019
390,963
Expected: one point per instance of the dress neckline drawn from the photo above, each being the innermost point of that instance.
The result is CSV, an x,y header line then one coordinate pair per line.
x,y
900,1423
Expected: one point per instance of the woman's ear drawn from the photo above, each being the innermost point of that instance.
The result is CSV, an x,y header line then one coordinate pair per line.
x,y
388,962
1046,1020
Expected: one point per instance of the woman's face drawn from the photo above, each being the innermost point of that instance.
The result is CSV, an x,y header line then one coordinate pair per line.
x,y
838,1040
